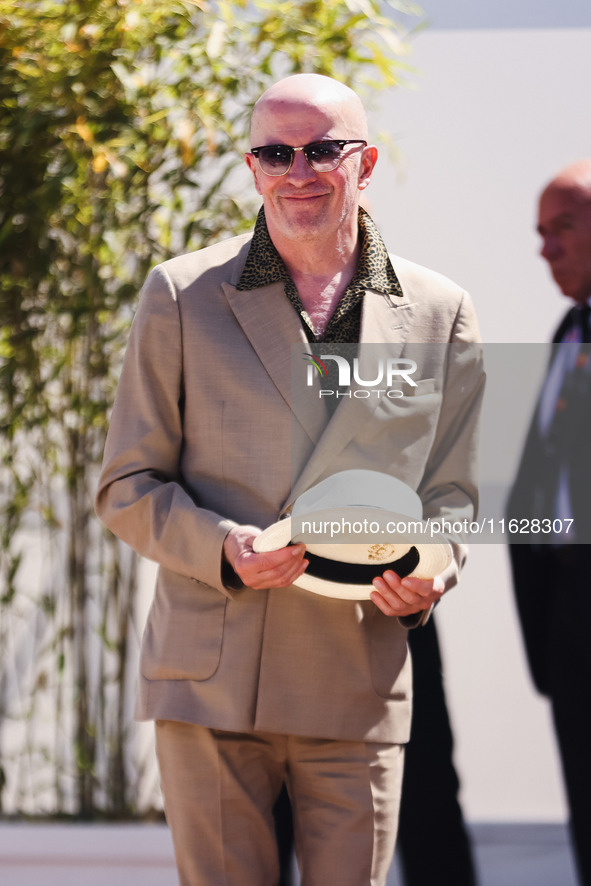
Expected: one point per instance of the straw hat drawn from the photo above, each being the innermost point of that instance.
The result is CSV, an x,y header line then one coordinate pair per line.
x,y
355,525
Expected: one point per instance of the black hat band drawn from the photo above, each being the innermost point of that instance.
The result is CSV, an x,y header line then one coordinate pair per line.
x,y
359,573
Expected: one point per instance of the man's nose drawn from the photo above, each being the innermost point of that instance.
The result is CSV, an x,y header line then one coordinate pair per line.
x,y
301,171
551,247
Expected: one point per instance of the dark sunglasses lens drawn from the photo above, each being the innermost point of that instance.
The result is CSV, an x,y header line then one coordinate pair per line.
x,y
275,159
323,156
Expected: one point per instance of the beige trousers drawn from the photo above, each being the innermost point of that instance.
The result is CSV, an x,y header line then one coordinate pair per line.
x,y
219,789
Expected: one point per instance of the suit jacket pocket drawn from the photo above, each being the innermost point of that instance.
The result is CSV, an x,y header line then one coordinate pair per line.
x,y
183,636
423,387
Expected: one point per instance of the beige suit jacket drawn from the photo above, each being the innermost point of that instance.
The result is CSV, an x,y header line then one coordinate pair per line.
x,y
205,435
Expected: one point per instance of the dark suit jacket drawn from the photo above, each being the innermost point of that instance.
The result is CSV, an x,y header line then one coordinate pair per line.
x,y
535,561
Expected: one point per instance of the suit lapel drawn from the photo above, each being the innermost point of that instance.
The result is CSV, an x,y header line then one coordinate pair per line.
x,y
386,319
385,324
275,332
273,328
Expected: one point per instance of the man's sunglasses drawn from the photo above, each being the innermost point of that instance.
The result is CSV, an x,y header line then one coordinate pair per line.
x,y
321,156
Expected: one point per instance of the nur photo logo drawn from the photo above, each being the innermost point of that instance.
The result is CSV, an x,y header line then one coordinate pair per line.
x,y
367,375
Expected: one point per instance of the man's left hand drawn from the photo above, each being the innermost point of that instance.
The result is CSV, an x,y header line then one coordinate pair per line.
x,y
406,596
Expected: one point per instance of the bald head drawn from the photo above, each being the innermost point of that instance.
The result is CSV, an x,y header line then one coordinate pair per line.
x,y
316,93
305,204
574,179
564,224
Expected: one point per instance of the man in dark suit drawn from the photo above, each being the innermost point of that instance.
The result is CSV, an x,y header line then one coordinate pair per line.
x,y
552,572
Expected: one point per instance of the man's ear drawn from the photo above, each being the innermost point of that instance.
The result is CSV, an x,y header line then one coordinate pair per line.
x,y
252,164
369,158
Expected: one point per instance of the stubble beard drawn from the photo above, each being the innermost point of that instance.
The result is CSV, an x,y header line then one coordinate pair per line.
x,y
315,226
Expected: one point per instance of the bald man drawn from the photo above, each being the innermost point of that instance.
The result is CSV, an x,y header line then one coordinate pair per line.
x,y
254,682
553,579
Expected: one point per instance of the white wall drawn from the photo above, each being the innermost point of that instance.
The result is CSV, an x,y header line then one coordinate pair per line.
x,y
478,14
492,116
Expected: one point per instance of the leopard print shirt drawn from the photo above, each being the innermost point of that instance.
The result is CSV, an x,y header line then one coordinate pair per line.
x,y
374,271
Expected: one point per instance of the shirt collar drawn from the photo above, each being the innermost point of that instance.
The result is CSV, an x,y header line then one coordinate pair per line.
x,y
374,271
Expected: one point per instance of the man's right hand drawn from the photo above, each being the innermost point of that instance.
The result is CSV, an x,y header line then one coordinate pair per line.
x,y
273,569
